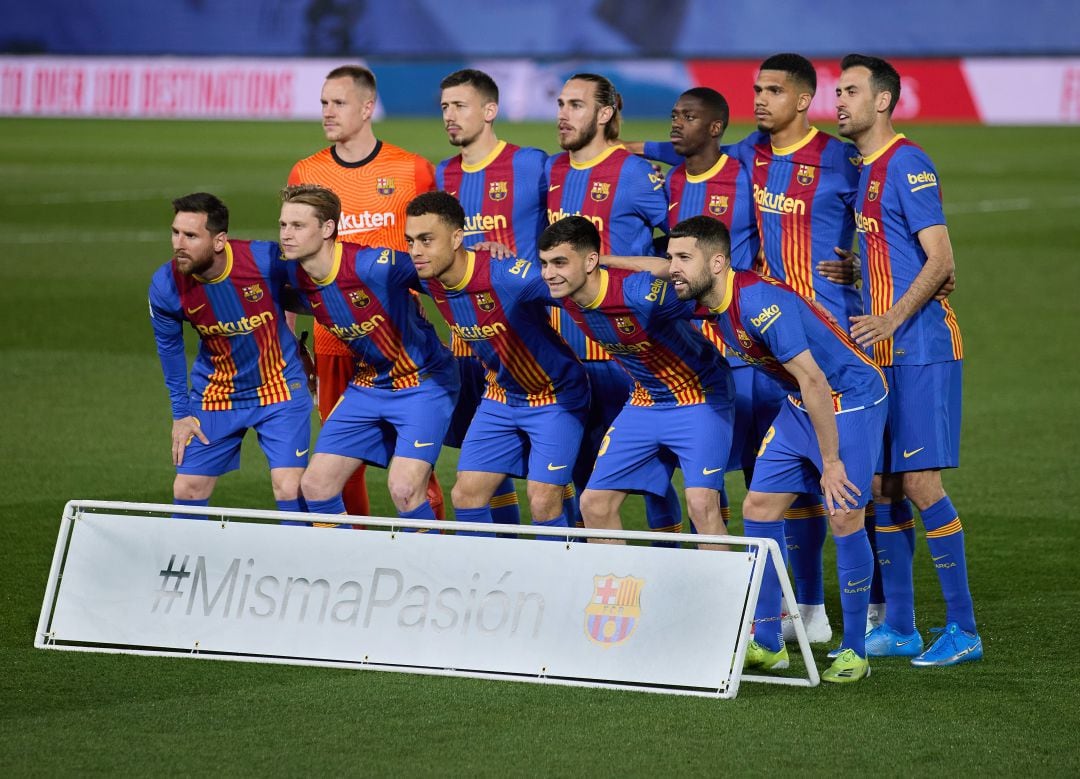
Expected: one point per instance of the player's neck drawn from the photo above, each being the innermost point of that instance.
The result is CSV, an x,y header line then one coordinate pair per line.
x,y
714,297
320,264
357,148
591,150
456,270
221,262
589,290
792,134
875,138
702,160
479,149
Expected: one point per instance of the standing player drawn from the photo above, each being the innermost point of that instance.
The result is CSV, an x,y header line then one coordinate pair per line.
x,y
681,407
396,410
247,373
827,434
531,418
595,177
503,189
906,257
375,180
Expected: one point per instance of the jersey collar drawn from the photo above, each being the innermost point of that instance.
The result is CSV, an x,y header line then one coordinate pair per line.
x,y
225,273
595,303
729,290
335,266
486,161
871,157
597,159
797,145
470,268
692,179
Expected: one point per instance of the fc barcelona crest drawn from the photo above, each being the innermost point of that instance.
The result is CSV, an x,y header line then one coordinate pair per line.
x,y
253,294
485,301
625,324
498,190
744,339
384,185
614,609
805,175
874,190
601,190
718,204
359,298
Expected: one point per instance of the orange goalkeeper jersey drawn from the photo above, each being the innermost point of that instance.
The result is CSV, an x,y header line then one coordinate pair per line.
x,y
374,193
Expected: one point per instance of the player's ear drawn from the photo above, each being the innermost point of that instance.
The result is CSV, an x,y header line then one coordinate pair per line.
x,y
219,241
329,227
881,101
719,262
716,128
603,116
491,110
592,261
457,238
803,103
368,107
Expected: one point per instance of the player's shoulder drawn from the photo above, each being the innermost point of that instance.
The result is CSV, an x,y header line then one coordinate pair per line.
x,y
319,158
527,155
390,151
910,154
560,159
839,152
164,277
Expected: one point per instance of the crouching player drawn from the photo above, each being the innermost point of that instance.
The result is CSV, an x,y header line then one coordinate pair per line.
x,y
396,410
826,438
247,373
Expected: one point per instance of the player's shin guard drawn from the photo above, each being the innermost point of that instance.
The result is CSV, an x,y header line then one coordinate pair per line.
x,y
423,511
435,497
480,516
664,514
296,504
895,539
333,505
945,537
805,527
182,502
559,521
855,570
505,509
767,630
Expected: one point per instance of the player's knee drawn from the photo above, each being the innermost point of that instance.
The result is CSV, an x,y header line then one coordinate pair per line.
x,y
406,491
285,482
189,487
703,505
924,488
595,508
545,500
316,485
465,494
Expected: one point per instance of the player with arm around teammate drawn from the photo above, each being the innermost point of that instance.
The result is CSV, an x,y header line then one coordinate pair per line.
x,y
247,373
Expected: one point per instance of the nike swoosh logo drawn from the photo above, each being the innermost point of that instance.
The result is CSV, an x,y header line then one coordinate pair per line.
x,y
673,205
759,163
908,454
939,557
438,300
419,445
316,303
904,643
856,584
197,309
452,194
553,187
711,471
302,452
552,467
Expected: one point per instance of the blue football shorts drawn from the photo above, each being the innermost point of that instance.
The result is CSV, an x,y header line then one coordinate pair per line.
x,y
283,430
923,429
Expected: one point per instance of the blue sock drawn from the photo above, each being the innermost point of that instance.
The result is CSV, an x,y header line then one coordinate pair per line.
x,y
296,504
559,521
855,570
895,538
805,527
945,537
877,594
334,505
571,510
504,506
481,516
181,502
423,511
767,630
664,514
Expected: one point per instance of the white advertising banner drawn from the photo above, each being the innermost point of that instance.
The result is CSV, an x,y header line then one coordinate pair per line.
x,y
519,606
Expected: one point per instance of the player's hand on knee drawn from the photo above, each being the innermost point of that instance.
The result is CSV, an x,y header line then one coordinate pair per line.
x,y
843,271
183,431
839,493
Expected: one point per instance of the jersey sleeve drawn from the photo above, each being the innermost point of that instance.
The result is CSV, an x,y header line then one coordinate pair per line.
x,y
440,173
168,325
918,189
425,175
846,161
649,196
662,151
776,319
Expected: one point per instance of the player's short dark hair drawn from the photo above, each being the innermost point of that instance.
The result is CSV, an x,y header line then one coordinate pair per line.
x,y
799,68
477,79
606,95
361,76
442,204
577,231
883,76
217,215
711,234
325,201
715,103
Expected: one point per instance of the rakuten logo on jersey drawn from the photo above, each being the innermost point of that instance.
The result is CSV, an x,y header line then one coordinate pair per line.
x,y
365,222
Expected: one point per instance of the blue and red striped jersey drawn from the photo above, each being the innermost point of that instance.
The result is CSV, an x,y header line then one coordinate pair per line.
x,y
766,323
247,354
639,320
500,310
899,195
367,302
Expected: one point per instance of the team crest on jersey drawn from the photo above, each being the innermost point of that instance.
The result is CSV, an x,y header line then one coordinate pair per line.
x,y
384,185
600,191
874,190
359,298
498,190
744,339
718,205
625,324
485,301
614,609
805,175
253,294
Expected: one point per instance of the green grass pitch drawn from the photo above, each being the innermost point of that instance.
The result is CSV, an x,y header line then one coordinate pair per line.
x,y
85,216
